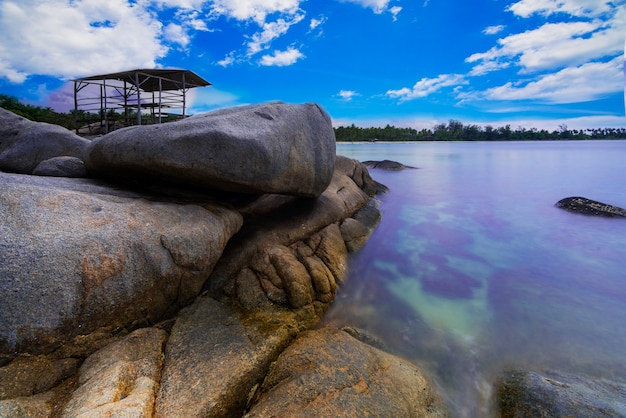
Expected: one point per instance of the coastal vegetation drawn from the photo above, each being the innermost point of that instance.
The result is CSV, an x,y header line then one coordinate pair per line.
x,y
455,130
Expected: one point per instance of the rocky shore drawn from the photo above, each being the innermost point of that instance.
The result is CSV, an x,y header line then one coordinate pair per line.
x,y
180,270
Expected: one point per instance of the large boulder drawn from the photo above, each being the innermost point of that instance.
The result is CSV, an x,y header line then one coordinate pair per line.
x,y
24,143
215,357
268,148
586,206
78,255
329,373
523,393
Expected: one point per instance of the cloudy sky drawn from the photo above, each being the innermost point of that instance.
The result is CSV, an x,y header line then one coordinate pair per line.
x,y
531,63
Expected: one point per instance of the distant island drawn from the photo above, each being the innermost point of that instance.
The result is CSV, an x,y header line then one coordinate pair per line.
x,y
455,130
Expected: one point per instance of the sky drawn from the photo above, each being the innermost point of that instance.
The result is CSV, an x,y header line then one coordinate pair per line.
x,y
409,63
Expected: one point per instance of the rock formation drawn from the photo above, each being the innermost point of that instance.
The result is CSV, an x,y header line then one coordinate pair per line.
x,y
329,373
586,206
387,165
269,148
155,287
24,144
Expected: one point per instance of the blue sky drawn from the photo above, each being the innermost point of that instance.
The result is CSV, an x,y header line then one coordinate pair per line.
x,y
530,63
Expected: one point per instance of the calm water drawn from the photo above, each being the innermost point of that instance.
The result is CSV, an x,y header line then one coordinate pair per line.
x,y
472,269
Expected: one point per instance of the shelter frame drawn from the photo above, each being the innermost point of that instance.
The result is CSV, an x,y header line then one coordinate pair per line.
x,y
142,94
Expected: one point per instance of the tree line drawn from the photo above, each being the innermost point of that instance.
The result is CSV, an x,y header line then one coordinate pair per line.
x,y
455,130
68,120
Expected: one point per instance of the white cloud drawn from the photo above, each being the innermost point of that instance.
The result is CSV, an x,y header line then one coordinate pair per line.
x,y
587,82
579,8
81,37
270,31
180,4
190,19
378,6
427,86
282,58
395,11
176,34
554,46
256,10
493,30
228,60
347,95
317,22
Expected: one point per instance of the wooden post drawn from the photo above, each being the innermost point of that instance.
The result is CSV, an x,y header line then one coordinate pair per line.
x,y
138,98
160,90
76,106
184,96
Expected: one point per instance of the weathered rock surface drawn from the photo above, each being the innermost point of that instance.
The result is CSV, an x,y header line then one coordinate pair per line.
x,y
292,252
121,379
24,143
329,373
214,358
61,167
524,393
27,375
77,255
268,148
590,207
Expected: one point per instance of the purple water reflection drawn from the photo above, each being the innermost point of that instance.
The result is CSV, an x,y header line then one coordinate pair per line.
x,y
473,269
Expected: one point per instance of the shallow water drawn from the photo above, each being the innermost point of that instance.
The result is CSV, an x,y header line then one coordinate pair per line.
x,y
473,270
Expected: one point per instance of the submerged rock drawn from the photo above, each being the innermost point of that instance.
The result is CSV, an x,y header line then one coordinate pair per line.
x,y
524,393
590,207
267,148
24,143
327,372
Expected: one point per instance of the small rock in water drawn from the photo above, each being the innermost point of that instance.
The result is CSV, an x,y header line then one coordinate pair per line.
x,y
590,207
386,165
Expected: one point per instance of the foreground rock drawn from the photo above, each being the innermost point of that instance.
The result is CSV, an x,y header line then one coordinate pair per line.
x,y
528,394
215,356
268,148
24,143
329,373
121,379
78,255
590,207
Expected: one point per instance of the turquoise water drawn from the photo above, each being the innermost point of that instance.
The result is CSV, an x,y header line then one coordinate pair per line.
x,y
472,269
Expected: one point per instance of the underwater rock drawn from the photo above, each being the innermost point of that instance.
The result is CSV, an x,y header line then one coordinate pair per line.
x,y
524,393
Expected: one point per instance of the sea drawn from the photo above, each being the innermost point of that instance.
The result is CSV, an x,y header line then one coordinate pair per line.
x,y
473,271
